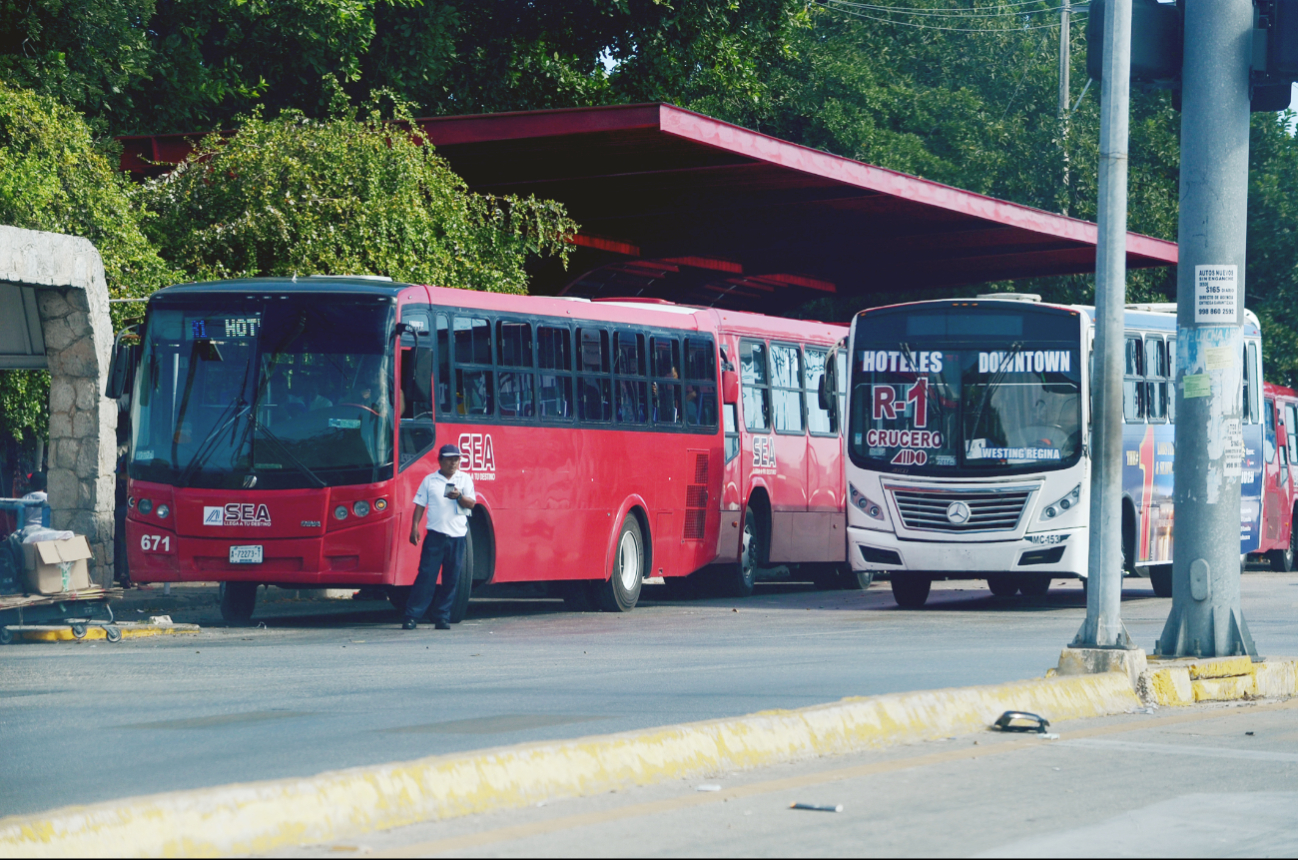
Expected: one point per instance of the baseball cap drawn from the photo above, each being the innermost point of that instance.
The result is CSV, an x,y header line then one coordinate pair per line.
x,y
448,451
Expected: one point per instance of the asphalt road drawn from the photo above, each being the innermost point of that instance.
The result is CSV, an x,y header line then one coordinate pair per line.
x,y
331,684
1206,781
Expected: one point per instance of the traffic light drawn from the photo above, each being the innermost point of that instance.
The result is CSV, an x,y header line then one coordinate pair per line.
x,y
1157,36
1155,43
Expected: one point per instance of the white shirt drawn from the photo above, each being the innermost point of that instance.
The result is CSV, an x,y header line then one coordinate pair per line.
x,y
445,515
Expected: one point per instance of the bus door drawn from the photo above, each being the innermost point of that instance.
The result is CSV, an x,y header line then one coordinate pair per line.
x,y
793,538
825,472
1275,474
416,433
733,486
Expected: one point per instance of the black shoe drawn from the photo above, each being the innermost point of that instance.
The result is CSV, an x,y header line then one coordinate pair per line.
x,y
442,625
409,624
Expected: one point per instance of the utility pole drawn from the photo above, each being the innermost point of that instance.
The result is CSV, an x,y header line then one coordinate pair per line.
x,y
1065,46
1103,625
1205,618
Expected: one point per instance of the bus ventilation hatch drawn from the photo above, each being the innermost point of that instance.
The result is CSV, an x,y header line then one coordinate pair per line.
x,y
696,498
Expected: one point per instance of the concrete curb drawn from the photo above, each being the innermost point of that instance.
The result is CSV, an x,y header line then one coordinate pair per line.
x,y
255,818
1222,679
130,630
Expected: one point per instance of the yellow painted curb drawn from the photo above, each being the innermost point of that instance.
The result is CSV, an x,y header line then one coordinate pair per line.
x,y
255,818
1185,682
1220,667
64,634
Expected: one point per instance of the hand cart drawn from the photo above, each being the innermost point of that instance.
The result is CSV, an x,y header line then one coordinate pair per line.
x,y
79,611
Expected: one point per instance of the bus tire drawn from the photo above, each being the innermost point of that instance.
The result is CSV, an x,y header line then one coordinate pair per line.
x,y
622,589
864,578
1003,584
1160,577
464,583
910,592
737,578
238,599
1282,559
1034,584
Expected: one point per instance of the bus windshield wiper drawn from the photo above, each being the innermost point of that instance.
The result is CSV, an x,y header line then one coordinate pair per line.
x,y
240,407
1007,361
258,427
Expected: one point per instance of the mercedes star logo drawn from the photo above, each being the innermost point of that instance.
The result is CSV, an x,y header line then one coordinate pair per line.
x,y
958,513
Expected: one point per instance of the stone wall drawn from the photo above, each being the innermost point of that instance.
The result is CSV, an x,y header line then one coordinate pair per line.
x,y
72,296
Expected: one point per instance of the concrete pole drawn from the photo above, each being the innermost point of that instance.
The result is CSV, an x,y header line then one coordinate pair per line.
x,y
1205,617
1103,625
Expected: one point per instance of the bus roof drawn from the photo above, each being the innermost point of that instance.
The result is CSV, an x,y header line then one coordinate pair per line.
x,y
628,310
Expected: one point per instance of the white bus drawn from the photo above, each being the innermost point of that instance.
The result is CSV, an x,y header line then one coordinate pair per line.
x,y
968,440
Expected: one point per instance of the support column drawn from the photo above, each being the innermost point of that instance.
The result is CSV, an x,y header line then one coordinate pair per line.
x,y
1205,617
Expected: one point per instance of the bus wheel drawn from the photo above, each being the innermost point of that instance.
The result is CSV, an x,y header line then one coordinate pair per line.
x,y
1034,585
1003,585
622,590
464,583
736,580
238,599
1282,559
1160,576
863,579
910,592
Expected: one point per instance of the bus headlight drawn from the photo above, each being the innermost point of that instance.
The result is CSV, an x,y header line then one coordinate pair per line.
x,y
1068,502
360,509
340,512
163,510
871,509
144,506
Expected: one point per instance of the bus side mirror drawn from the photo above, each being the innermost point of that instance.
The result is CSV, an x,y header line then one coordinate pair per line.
x,y
121,368
729,387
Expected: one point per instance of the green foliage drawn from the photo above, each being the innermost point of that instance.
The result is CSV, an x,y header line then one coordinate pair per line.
x,y
1271,281
54,178
272,200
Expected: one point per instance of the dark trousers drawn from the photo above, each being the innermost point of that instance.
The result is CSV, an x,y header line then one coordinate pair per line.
x,y
444,553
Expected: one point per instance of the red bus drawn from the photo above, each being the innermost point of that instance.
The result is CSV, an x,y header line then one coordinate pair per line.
x,y
281,427
1279,500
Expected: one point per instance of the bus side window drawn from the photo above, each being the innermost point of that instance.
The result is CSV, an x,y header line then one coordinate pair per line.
x,y
1251,384
786,388
1133,388
840,359
1171,379
819,421
416,393
1268,430
594,389
514,350
700,382
1291,430
1156,373
443,380
474,391
756,385
554,358
629,367
665,366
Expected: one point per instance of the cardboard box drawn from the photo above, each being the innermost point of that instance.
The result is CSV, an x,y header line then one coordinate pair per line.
x,y
57,566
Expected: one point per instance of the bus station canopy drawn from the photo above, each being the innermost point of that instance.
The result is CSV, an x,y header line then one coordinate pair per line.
x,y
676,205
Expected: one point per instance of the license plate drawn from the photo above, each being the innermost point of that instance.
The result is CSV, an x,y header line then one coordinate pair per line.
x,y
245,555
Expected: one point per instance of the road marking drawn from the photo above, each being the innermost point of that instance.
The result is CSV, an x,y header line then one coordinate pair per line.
x,y
693,800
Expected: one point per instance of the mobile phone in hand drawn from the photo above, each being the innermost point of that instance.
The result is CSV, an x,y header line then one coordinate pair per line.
x,y
450,488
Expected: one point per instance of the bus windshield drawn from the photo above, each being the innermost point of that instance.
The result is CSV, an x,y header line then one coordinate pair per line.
x,y
966,390
265,391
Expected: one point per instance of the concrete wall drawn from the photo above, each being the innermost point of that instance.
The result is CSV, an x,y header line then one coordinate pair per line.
x,y
66,275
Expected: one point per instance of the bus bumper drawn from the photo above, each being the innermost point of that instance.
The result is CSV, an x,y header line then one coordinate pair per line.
x,y
1062,553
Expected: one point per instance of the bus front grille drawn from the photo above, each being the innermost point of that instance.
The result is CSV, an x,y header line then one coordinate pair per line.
x,y
941,511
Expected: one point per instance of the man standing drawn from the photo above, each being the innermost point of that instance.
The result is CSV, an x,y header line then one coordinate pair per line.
x,y
447,496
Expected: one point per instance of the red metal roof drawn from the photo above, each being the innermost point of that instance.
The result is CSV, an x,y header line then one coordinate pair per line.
x,y
678,205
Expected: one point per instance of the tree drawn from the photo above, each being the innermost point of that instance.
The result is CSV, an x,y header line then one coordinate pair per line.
x,y
54,178
271,200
